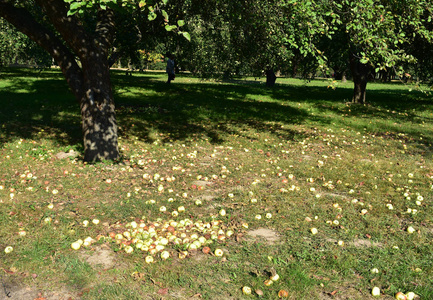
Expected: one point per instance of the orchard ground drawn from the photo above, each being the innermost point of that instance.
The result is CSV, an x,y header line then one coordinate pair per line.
x,y
222,185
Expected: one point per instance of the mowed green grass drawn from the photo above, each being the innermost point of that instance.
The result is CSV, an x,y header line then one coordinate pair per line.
x,y
283,161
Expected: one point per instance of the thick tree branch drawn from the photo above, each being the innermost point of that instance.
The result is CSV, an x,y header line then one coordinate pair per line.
x,y
105,29
26,23
69,27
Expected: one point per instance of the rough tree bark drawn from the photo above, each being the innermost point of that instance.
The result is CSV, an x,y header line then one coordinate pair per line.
x,y
90,83
360,73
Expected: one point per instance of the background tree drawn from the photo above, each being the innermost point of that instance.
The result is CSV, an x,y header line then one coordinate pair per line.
x,y
17,48
253,37
377,34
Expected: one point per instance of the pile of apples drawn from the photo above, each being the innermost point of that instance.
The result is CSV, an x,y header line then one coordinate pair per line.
x,y
156,237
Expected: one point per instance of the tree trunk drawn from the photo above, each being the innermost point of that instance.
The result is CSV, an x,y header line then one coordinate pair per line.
x,y
343,77
270,78
340,74
91,83
98,118
360,74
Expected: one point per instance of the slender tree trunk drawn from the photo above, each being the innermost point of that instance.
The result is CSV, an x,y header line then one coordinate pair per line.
x,y
343,77
270,78
360,74
295,68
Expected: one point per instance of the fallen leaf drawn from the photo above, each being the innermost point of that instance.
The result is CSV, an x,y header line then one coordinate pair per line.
x,y
259,292
40,297
163,291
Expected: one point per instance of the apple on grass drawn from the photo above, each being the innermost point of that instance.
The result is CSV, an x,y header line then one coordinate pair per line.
x,y
375,291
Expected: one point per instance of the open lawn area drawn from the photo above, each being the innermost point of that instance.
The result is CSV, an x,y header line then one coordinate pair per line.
x,y
221,186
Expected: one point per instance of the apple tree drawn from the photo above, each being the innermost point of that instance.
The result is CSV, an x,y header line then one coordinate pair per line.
x,y
376,35
79,36
252,37
16,47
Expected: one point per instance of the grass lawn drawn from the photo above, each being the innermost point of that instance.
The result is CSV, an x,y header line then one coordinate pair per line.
x,y
222,186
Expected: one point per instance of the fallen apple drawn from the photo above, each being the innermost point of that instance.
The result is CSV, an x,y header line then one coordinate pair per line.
x,y
410,295
268,282
129,249
400,296
283,294
165,255
9,249
275,277
183,254
375,292
219,252
410,229
75,245
246,290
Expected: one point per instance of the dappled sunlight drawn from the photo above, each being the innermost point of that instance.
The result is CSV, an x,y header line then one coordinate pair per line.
x,y
222,189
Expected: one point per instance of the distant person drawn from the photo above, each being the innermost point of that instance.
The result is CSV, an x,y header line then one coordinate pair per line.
x,y
170,67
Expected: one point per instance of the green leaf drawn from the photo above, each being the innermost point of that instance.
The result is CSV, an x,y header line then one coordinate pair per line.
x,y
164,1
151,16
72,12
142,3
165,15
180,23
76,5
187,36
170,27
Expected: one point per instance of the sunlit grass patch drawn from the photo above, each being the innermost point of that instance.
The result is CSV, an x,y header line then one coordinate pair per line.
x,y
341,189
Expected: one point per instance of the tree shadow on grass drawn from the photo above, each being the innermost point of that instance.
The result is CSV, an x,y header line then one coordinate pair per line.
x,y
150,109
183,111
30,104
